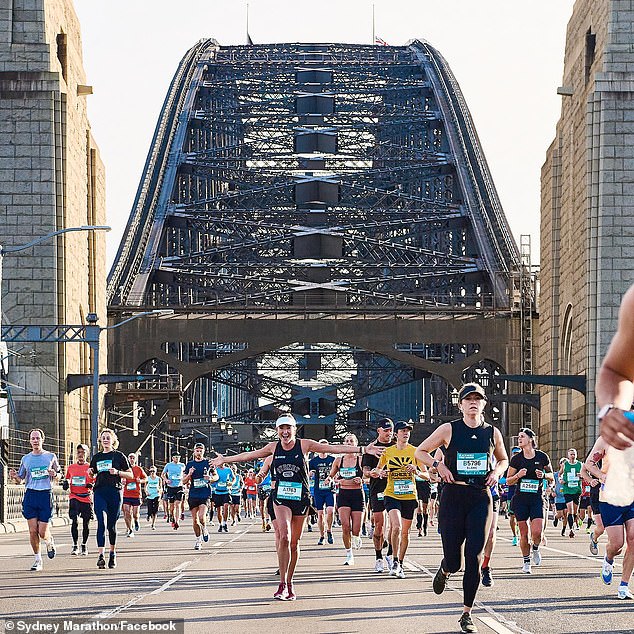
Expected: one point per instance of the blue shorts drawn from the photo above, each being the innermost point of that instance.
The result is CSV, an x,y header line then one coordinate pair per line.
x,y
38,505
323,497
616,515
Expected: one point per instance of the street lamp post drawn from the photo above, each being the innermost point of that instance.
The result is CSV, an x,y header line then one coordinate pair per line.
x,y
92,333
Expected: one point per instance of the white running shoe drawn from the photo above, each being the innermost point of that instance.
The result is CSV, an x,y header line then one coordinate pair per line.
x,y
349,560
198,545
378,566
526,568
537,557
371,531
388,562
624,593
395,567
356,542
400,573
37,565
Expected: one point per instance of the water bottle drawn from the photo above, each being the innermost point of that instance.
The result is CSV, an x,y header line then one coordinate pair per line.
x,y
619,481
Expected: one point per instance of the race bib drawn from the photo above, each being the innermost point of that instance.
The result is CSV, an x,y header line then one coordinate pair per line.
x,y
104,465
78,481
347,473
131,486
403,487
587,489
529,486
324,486
39,473
572,478
199,483
472,464
289,490
380,496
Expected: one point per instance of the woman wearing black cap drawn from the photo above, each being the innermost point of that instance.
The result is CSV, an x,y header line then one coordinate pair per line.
x,y
468,471
526,472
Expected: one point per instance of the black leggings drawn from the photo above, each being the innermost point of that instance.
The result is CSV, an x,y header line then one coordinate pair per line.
x,y
107,502
74,529
464,517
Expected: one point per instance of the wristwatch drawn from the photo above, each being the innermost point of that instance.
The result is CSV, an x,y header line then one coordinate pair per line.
x,y
604,410
434,464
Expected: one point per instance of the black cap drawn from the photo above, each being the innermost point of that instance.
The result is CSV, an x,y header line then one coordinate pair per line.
x,y
402,424
471,388
385,423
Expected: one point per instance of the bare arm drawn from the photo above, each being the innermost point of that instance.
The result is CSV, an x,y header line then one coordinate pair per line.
x,y
245,456
615,378
501,457
596,453
335,468
313,445
441,437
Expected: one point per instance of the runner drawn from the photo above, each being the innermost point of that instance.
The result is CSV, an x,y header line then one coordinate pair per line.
x,y
172,475
377,482
38,470
264,491
321,466
526,472
423,494
132,496
511,513
108,467
570,476
432,507
154,492
222,495
561,509
347,471
398,465
290,496
236,495
251,487
80,484
593,471
585,511
465,504
198,474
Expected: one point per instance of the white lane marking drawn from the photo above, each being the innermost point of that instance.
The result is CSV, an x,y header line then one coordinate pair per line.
x,y
109,613
218,544
595,558
181,567
167,584
513,627
409,566
494,625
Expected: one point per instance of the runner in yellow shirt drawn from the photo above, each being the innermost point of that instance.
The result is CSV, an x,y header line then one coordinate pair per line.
x,y
398,465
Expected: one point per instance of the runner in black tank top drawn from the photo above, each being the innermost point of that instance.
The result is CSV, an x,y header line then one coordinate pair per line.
x,y
291,495
465,509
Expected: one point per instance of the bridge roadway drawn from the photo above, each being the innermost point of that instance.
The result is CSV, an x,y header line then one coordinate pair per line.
x,y
228,586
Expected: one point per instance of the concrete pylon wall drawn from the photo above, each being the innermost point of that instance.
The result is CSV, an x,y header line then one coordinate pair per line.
x,y
51,177
587,222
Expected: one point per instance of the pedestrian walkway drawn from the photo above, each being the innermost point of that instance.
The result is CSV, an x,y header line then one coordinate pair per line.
x,y
228,586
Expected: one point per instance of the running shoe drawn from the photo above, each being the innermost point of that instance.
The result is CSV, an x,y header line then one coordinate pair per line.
x,y
239,520
329,537
594,546
263,527
175,525
571,534
50,549
514,541
420,532
280,593
424,532
182,517
349,560
487,581
364,531
371,532
356,542
290,593
466,623
526,568
400,573
563,531
130,533
321,541
37,566
198,545
623,593
84,550
101,563
388,562
136,525
220,528
440,581
378,566
394,568
224,528
112,561
606,572
268,526
75,550
205,534
537,557
309,527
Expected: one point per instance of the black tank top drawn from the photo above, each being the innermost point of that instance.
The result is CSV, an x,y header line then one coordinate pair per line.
x,y
290,472
469,453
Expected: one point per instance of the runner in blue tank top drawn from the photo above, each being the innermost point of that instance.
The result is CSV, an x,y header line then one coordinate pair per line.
x,y
291,494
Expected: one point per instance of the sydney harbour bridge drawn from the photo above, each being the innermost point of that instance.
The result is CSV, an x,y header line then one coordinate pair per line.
x,y
322,221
